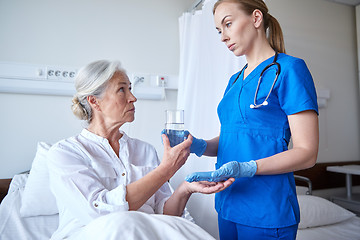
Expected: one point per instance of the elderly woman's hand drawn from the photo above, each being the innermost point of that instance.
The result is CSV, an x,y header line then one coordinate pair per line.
x,y
175,157
206,187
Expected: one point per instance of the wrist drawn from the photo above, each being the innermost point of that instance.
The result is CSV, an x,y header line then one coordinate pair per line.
x,y
251,168
198,146
165,171
185,189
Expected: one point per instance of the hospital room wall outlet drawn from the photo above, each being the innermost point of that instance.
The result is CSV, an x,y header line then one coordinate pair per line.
x,y
148,86
60,74
59,80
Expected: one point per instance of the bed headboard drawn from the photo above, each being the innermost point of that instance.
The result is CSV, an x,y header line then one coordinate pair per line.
x,y
322,179
4,187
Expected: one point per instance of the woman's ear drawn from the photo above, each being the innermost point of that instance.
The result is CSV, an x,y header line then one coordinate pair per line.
x,y
257,18
93,102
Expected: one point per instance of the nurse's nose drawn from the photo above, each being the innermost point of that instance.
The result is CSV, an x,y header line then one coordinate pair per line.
x,y
224,37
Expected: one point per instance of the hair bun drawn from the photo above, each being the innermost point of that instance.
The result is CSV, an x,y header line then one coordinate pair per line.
x,y
78,109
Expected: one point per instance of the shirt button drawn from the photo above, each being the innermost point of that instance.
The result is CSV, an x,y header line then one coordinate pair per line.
x,y
123,174
96,205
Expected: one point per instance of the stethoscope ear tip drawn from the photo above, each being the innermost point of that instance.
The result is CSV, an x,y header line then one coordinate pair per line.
x,y
265,103
252,106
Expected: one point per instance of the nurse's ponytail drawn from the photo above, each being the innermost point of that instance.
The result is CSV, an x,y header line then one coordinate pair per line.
x,y
274,33
271,25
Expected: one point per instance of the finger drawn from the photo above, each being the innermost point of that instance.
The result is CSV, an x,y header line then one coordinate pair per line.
x,y
165,141
188,141
199,176
227,183
207,183
214,189
186,134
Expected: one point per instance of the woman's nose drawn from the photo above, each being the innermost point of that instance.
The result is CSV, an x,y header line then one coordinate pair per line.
x,y
132,98
224,37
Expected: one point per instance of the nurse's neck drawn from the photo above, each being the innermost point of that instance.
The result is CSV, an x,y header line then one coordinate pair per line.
x,y
256,57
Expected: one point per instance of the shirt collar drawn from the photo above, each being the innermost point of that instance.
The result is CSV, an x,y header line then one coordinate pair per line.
x,y
92,136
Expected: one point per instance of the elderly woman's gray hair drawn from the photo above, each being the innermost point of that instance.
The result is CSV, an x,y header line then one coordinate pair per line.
x,y
92,80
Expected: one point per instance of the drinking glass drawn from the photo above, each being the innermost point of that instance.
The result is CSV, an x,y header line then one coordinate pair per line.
x,y
174,126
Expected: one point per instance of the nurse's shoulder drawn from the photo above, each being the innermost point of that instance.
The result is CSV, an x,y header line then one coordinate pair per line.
x,y
288,61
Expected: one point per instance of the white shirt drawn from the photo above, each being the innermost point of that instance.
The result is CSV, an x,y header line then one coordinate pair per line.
x,y
89,180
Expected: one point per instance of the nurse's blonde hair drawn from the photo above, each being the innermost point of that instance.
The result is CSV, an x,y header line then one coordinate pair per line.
x,y
92,80
271,25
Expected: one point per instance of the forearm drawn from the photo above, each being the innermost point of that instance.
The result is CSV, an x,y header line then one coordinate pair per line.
x,y
138,192
288,161
212,147
305,136
175,205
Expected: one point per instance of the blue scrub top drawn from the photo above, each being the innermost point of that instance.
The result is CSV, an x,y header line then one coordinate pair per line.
x,y
267,201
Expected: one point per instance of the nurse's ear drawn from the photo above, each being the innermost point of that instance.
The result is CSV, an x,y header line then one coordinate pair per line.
x,y
257,18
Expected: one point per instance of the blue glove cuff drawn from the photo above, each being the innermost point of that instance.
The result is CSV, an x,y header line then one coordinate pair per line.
x,y
198,146
248,169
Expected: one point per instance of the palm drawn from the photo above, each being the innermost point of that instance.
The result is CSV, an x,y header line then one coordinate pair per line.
x,y
206,187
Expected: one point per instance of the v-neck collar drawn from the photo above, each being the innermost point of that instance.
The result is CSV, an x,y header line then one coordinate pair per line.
x,y
256,71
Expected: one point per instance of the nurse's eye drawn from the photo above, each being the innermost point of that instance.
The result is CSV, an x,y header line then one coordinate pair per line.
x,y
228,24
121,89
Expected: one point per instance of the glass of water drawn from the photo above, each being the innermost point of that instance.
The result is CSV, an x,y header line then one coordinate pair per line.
x,y
174,126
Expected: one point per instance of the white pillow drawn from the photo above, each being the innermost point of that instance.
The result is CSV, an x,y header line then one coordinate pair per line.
x,y
37,198
317,211
13,226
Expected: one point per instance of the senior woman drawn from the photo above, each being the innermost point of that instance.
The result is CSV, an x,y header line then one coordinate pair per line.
x,y
101,173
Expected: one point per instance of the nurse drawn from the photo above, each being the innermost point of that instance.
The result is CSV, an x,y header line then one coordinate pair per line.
x,y
253,143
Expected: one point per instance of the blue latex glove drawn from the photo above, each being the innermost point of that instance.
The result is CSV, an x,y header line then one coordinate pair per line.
x,y
232,169
198,146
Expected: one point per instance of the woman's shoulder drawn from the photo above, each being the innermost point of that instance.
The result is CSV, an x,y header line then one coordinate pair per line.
x,y
291,64
67,144
288,60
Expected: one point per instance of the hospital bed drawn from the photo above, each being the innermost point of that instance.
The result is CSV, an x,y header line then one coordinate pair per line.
x,y
28,211
13,225
320,218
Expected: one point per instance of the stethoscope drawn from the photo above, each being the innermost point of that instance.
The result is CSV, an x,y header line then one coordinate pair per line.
x,y
265,102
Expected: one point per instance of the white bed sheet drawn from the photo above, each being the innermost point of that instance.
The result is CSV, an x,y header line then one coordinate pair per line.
x,y
346,230
135,225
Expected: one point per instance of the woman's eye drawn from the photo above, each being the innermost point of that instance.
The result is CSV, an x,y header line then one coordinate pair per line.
x,y
121,90
228,24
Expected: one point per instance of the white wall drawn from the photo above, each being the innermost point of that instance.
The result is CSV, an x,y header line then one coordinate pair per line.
x,y
324,34
142,34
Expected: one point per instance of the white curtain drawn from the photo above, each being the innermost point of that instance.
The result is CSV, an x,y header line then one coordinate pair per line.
x,y
205,68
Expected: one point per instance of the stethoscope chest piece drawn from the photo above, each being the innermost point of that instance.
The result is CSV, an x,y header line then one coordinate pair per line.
x,y
259,105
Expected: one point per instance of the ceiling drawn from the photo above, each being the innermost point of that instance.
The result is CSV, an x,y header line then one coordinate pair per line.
x,y
347,2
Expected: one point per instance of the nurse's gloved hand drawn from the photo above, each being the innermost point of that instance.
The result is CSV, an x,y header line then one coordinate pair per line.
x,y
198,146
232,169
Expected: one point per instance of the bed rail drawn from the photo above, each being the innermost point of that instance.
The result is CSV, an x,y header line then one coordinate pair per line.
x,y
305,180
